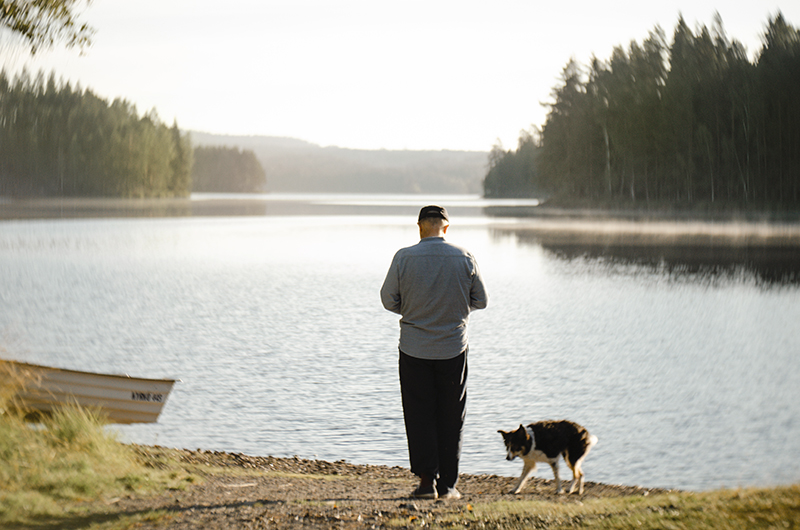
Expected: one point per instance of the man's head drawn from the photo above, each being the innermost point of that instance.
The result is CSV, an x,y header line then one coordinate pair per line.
x,y
433,221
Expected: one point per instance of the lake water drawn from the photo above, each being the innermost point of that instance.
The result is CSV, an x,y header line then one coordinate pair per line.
x,y
683,359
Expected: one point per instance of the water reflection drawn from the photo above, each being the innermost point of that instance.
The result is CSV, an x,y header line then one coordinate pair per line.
x,y
768,264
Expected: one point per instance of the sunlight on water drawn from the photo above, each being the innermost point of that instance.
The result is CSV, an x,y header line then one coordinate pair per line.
x,y
686,369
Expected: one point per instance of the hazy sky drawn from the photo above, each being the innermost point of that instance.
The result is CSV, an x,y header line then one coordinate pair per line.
x,y
432,74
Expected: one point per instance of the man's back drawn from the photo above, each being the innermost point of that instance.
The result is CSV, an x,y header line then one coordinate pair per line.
x,y
434,285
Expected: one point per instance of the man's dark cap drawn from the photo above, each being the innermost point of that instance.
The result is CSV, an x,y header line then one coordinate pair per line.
x,y
433,211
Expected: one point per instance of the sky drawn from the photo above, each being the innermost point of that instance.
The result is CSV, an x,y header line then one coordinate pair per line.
x,y
365,74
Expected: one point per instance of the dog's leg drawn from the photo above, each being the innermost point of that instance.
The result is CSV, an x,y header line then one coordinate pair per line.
x,y
579,472
577,476
554,465
576,469
527,470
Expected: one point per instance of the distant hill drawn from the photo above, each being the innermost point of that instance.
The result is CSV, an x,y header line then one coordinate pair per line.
x,y
298,166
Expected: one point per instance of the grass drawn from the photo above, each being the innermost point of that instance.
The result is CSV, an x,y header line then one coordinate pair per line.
x,y
776,508
61,465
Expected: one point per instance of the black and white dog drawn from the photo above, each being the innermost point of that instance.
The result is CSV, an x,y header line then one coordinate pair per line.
x,y
545,441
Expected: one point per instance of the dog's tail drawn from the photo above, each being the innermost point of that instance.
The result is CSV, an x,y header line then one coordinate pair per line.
x,y
592,441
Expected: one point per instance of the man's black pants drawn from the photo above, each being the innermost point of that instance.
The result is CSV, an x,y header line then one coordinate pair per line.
x,y
434,406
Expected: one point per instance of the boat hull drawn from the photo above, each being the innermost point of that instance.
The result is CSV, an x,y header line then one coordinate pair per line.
x,y
118,398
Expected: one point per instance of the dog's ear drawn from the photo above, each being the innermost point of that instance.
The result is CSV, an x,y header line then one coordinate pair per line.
x,y
527,435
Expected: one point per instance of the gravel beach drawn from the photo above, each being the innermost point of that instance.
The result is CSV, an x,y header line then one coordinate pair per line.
x,y
269,492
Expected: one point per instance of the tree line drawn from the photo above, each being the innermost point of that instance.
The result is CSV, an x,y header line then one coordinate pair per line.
x,y
692,121
59,140
227,169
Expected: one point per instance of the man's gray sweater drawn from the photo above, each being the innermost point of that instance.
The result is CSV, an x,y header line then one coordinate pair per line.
x,y
433,285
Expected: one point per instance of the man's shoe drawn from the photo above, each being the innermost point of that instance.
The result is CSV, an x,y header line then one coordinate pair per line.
x,y
450,493
425,492
426,488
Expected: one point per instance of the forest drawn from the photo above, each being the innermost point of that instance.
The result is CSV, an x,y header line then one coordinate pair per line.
x,y
227,169
689,122
59,140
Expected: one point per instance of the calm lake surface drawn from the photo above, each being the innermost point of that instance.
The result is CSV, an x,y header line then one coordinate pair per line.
x,y
683,358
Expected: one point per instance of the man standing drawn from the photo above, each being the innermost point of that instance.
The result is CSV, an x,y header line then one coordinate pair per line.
x,y
433,285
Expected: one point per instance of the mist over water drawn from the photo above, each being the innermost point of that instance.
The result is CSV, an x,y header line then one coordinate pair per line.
x,y
682,358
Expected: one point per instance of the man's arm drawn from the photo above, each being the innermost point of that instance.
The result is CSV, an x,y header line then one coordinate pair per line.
x,y
477,293
390,291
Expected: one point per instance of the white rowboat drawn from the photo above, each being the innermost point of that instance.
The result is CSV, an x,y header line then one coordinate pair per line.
x,y
119,398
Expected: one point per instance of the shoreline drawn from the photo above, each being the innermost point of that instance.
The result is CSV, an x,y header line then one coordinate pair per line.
x,y
240,491
268,205
538,486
